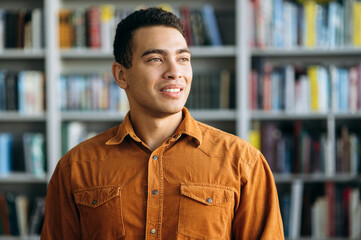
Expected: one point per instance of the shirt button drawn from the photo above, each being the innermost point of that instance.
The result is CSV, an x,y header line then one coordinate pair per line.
x,y
155,192
155,157
153,231
209,200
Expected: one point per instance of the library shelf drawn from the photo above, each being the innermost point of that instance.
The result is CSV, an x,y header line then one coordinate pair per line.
x,y
19,238
304,51
22,54
313,178
283,115
14,116
22,178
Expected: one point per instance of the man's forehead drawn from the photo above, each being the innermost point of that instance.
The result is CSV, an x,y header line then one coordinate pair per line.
x,y
158,37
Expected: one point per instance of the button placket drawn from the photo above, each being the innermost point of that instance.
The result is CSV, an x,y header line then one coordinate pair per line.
x,y
154,201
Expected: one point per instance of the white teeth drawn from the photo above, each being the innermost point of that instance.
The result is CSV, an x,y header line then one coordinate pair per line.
x,y
171,90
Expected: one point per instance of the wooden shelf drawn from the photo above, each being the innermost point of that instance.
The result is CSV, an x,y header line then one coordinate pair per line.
x,y
15,116
302,51
22,178
22,54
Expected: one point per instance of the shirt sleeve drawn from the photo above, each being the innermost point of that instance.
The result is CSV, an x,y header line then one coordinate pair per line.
x,y
61,215
258,215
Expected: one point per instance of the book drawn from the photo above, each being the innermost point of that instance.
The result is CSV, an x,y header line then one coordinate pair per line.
x,y
11,83
211,25
22,207
37,29
28,30
4,215
11,29
2,29
107,26
185,12
356,23
6,144
319,218
312,76
79,26
20,28
93,23
12,214
34,153
65,28
36,216
2,91
295,209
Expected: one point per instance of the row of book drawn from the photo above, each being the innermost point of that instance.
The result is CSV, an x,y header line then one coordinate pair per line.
x,y
287,24
212,90
22,91
297,149
327,210
335,213
33,154
91,92
20,215
94,27
21,29
301,89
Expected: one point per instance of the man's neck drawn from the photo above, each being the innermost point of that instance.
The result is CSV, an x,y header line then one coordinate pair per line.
x,y
154,130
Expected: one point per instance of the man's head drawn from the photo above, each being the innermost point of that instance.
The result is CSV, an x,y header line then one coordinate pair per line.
x,y
123,45
153,63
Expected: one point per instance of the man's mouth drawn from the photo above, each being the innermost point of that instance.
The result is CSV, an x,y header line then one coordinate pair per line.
x,y
172,90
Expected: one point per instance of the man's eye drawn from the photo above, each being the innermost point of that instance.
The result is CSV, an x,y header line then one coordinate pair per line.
x,y
184,59
155,60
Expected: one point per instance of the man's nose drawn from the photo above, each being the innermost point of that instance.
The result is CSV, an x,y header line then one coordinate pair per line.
x,y
172,72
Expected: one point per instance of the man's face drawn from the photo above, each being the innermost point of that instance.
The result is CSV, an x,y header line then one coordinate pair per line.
x,y
159,80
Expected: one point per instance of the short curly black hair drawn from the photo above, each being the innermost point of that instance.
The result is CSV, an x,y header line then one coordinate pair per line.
x,y
122,46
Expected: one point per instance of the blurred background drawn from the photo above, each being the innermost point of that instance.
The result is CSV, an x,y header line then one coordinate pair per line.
x,y
283,74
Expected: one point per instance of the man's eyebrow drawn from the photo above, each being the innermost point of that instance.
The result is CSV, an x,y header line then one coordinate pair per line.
x,y
164,52
184,50
152,50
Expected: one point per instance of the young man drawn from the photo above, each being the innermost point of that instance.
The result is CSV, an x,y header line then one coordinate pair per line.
x,y
160,174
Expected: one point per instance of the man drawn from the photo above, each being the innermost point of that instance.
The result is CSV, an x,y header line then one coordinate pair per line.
x,y
160,174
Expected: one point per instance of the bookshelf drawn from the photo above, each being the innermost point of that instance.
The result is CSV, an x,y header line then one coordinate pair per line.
x,y
235,54
315,197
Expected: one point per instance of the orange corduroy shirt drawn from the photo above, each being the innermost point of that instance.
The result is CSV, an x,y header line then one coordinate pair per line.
x,y
201,183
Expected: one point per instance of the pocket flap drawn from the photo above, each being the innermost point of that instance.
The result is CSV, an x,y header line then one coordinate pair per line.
x,y
94,197
207,194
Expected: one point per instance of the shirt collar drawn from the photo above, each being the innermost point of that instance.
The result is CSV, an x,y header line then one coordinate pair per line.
x,y
188,126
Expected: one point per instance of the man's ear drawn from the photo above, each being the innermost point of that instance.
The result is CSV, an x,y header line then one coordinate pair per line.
x,y
118,71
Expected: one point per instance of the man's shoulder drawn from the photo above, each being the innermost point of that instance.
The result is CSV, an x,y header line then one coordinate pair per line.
x,y
94,148
218,143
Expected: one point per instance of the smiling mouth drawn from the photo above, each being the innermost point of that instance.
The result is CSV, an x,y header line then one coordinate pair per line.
x,y
172,90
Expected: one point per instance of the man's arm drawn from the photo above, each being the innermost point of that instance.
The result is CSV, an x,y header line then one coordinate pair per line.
x,y
258,215
61,215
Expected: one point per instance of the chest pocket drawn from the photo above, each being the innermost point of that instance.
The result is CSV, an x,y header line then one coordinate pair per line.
x,y
204,211
100,211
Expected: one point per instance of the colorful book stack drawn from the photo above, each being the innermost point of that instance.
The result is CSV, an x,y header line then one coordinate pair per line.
x,y
212,90
289,24
333,212
33,158
91,92
311,89
94,27
21,29
21,216
22,91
